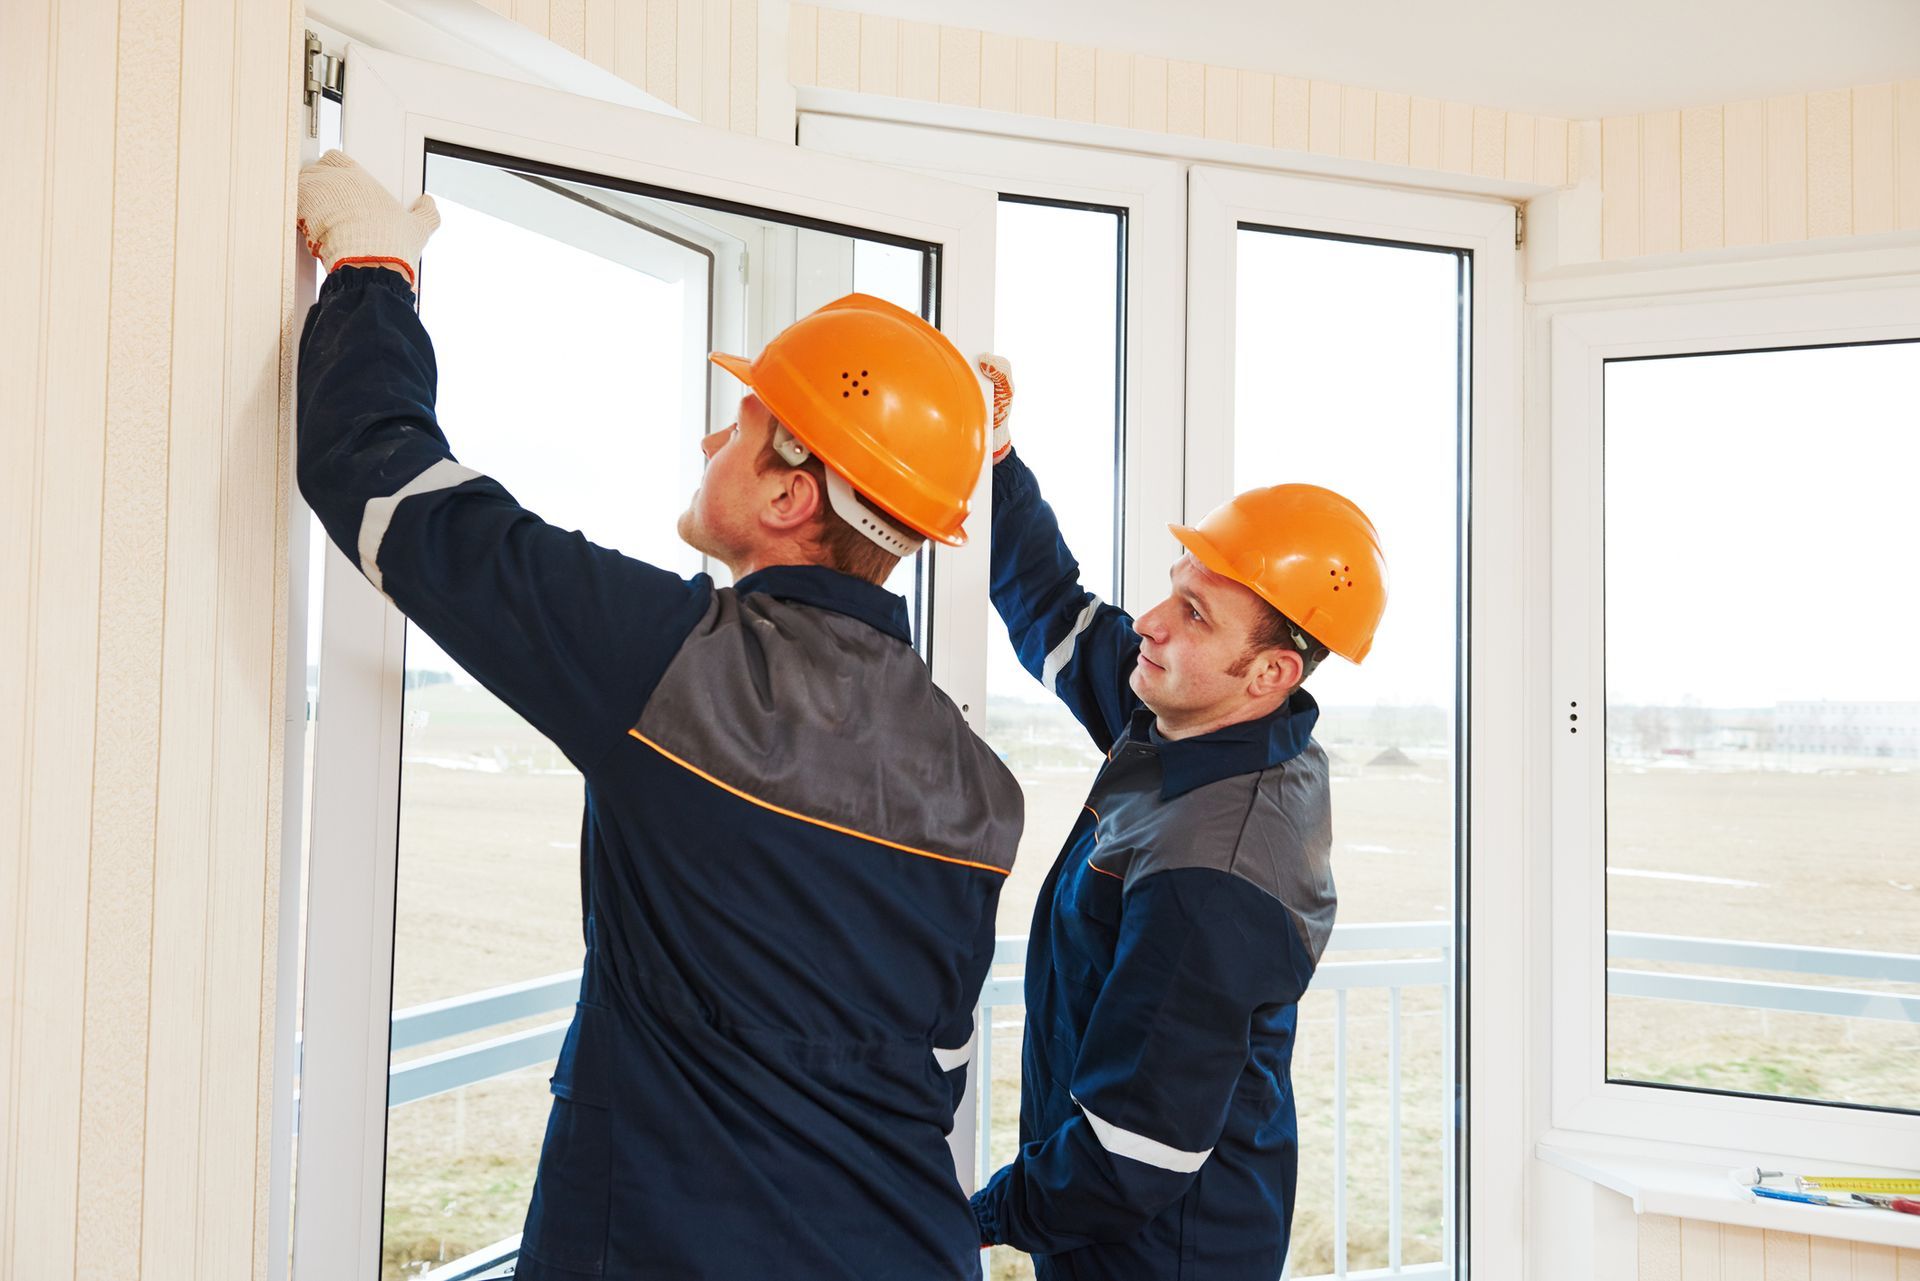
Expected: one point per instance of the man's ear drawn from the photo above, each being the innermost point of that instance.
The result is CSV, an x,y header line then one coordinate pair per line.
x,y
1275,671
795,503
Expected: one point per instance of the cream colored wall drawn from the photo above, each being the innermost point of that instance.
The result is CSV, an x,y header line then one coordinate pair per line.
x,y
1799,167
1688,1250
145,215
703,56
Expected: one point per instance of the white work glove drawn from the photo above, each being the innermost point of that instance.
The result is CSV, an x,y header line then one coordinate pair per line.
x,y
349,219
999,372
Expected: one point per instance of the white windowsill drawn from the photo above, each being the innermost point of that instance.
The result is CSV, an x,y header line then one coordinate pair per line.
x,y
1692,1184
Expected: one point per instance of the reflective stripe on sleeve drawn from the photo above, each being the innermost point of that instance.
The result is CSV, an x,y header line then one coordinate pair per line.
x,y
1062,654
1138,1147
444,474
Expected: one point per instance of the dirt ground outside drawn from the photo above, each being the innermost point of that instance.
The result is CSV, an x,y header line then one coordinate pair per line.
x,y
1779,849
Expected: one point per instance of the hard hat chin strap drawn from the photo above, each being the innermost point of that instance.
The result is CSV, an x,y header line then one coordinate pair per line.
x,y
848,504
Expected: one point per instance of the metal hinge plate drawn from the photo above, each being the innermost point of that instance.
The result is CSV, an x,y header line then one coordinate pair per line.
x,y
326,78
1519,226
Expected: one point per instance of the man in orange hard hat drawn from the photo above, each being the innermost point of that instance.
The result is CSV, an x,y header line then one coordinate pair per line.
x,y
793,845
1186,913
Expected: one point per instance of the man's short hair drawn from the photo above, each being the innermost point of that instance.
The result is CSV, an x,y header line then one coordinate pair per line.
x,y
1275,630
842,547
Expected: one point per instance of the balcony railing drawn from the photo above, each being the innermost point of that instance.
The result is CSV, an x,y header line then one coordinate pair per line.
x,y
423,1077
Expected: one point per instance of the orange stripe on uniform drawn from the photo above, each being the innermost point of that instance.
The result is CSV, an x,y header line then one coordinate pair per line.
x,y
724,786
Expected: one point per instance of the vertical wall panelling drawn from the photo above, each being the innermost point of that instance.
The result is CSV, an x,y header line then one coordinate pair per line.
x,y
960,66
1520,147
1744,145
1702,178
999,72
1550,152
1036,77
1830,1260
1583,151
879,55
1489,142
1323,118
132,610
1256,108
663,47
839,50
1787,168
184,852
1742,1255
1423,134
689,55
567,25
1357,109
716,63
1660,182
743,66
1456,137
64,607
603,34
1112,88
1150,93
1186,98
531,14
1873,208
919,60
26,28
1073,83
246,698
1787,1256
1875,1263
1390,122
1620,178
1658,1239
1222,104
1292,98
1907,162
1699,1251
1829,164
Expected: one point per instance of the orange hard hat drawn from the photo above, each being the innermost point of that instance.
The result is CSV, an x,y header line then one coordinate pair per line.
x,y
885,400
1306,551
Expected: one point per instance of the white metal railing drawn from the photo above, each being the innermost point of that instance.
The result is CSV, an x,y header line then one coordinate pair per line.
x,y
425,1076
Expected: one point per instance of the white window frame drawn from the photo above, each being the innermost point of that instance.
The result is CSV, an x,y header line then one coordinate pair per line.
x,y
1152,191
1491,1000
394,106
1585,1107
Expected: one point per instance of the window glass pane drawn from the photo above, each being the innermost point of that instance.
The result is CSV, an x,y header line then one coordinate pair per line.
x,y
1350,374
571,323
1763,723
1056,318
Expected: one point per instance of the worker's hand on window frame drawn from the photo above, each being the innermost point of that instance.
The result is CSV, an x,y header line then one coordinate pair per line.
x,y
999,372
349,219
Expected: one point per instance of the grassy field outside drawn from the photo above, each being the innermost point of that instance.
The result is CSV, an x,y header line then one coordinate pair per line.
x,y
1774,849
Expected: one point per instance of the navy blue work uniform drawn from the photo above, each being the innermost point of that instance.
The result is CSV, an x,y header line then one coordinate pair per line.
x,y
791,853
1171,944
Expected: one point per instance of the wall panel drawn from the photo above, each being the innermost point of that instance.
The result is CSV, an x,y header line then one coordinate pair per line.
x,y
147,213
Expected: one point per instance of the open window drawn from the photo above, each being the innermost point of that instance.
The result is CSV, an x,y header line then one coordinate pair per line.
x,y
590,257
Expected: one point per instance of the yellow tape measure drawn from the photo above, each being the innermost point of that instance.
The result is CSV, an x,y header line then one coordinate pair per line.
x,y
1884,1187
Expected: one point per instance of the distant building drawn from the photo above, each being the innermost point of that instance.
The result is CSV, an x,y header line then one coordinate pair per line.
x,y
1848,729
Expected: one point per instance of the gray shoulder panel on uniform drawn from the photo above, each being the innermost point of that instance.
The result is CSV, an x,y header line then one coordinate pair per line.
x,y
812,712
1273,829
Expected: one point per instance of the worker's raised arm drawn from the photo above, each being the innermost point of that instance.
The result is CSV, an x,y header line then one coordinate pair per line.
x,y
572,636
1078,646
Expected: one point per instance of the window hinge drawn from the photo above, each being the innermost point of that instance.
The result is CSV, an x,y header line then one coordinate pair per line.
x,y
326,78
1519,226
